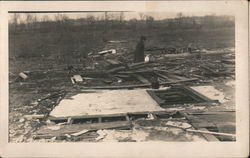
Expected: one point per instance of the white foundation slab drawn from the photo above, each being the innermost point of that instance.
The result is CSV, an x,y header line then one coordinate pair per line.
x,y
210,92
104,102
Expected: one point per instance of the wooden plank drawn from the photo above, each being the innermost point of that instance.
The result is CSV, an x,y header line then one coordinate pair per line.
x,y
190,118
140,78
73,128
193,92
203,124
122,76
178,99
127,118
69,120
117,69
161,75
140,85
210,112
110,115
113,62
137,64
135,71
155,97
86,116
209,137
213,133
99,119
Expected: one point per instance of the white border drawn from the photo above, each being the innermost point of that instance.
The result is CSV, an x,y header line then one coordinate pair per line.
x,y
239,148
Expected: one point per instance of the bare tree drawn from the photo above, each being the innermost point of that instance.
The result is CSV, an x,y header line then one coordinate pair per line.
x,y
62,21
16,18
90,20
31,20
61,18
121,17
28,18
142,16
149,21
45,19
179,18
133,23
106,17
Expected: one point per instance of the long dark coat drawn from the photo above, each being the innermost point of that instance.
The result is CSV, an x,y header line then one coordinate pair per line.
x,y
139,52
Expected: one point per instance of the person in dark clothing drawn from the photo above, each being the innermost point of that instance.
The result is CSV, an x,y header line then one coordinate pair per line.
x,y
155,82
139,51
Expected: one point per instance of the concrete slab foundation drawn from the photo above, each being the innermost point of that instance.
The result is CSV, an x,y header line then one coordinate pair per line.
x,y
103,102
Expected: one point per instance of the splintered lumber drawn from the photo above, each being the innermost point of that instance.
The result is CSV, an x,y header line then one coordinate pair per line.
x,y
210,112
213,133
118,41
229,61
137,64
113,51
208,69
140,78
120,68
154,49
74,128
78,78
202,124
209,137
87,116
139,85
161,75
122,76
80,133
135,71
23,75
113,62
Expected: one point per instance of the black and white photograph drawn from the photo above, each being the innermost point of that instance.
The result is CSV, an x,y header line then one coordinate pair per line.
x,y
125,76
121,76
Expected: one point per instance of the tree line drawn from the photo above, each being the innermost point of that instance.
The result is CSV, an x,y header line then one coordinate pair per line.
x,y
110,21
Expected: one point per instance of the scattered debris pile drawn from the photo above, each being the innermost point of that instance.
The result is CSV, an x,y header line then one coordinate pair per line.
x,y
113,68
87,129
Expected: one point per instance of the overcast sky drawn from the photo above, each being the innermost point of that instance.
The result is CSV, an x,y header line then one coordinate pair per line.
x,y
127,15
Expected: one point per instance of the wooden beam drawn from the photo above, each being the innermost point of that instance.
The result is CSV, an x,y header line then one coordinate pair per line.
x,y
155,97
113,62
161,75
210,112
140,78
209,137
140,85
213,133
86,116
197,94
137,64
74,128
116,69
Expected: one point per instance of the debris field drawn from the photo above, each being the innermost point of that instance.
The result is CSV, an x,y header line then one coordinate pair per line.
x,y
110,98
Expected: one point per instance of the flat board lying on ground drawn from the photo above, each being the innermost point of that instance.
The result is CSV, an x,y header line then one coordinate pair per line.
x,y
210,92
103,102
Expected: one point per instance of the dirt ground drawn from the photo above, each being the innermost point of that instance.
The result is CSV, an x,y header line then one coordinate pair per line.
x,y
41,58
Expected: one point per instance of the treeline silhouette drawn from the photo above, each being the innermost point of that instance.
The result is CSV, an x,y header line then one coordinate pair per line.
x,y
62,22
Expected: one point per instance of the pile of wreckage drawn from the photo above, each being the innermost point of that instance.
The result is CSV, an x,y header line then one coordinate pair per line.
x,y
112,70
164,81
